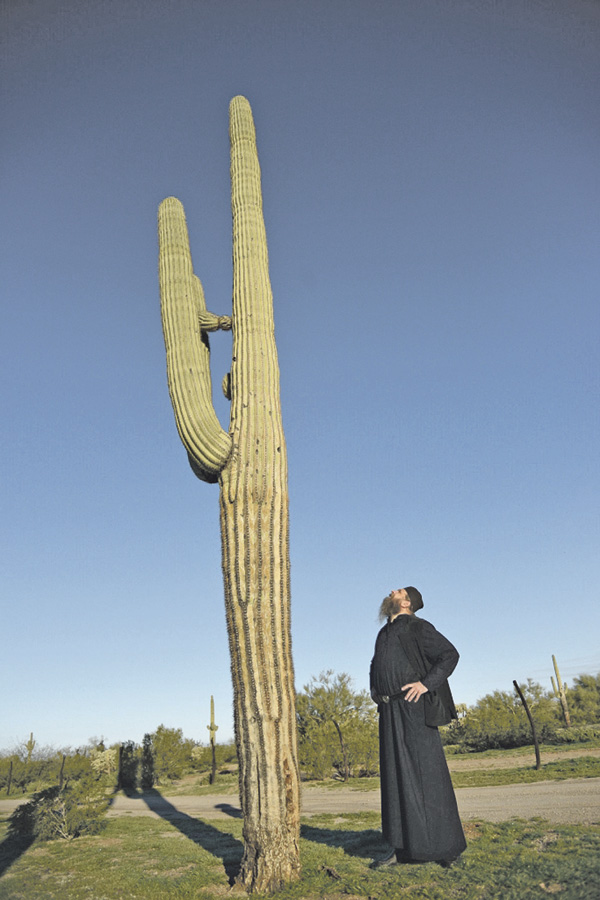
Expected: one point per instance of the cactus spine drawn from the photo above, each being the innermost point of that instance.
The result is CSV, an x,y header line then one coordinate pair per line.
x,y
250,465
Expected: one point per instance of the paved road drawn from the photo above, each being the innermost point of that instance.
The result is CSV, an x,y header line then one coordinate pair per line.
x,y
574,801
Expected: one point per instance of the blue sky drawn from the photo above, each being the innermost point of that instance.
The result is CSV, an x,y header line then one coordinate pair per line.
x,y
431,197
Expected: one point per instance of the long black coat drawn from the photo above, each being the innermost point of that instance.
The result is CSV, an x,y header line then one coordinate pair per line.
x,y
418,808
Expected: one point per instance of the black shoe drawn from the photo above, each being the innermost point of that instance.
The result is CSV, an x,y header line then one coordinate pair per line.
x,y
390,860
445,863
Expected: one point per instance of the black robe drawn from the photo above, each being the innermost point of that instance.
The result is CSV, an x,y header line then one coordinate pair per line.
x,y
418,807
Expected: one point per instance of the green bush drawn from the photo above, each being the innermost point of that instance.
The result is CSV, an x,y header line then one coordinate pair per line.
x,y
147,764
498,721
172,754
129,763
34,775
575,734
225,757
53,813
583,699
337,729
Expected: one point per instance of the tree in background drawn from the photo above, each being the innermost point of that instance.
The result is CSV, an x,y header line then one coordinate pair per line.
x,y
584,700
499,719
128,766
147,764
337,727
171,753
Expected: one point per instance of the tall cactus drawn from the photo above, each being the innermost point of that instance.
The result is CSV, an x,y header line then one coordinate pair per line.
x,y
250,464
561,693
213,734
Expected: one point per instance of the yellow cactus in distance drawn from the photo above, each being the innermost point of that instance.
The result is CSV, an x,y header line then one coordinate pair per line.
x,y
250,464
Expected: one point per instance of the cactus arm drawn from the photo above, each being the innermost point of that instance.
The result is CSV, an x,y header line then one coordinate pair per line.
x,y
209,322
188,352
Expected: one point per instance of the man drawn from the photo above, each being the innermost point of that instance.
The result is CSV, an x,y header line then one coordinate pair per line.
x,y
409,673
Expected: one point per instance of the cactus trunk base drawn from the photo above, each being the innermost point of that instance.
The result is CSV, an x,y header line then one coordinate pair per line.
x,y
270,859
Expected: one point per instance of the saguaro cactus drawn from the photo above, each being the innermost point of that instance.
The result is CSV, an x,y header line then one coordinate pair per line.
x,y
213,734
561,693
250,464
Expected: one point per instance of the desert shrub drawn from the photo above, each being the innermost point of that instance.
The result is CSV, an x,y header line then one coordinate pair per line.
x,y
147,764
105,762
172,753
575,734
29,776
363,745
318,745
337,728
10,770
225,757
584,700
498,721
53,813
129,762
26,775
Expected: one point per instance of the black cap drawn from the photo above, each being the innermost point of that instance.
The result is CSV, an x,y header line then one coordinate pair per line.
x,y
416,601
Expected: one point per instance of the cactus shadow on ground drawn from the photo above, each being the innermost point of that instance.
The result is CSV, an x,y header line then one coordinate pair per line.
x,y
220,844
230,810
11,848
368,844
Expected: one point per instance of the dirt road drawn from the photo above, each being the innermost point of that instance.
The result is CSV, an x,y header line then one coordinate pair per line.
x,y
574,801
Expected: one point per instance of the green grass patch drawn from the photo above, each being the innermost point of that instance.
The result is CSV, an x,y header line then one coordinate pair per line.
x,y
157,859
578,767
198,786
581,767
353,784
564,747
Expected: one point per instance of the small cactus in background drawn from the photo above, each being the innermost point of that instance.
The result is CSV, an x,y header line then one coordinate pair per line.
x,y
561,693
249,463
30,746
213,734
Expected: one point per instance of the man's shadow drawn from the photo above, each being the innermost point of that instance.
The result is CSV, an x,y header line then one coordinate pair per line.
x,y
218,843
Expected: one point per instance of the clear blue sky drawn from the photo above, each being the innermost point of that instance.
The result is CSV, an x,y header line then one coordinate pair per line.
x,y
431,195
